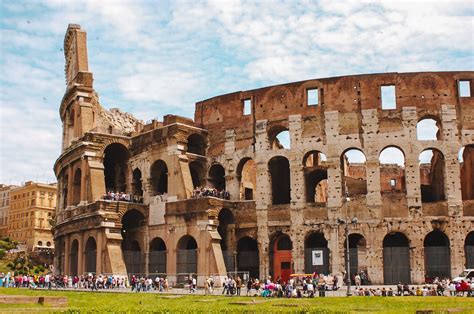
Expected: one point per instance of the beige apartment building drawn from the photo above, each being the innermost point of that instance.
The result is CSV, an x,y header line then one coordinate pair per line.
x,y
31,207
4,208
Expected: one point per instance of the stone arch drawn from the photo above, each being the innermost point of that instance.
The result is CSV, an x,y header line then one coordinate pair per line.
x,y
73,258
248,256
428,128
281,256
437,255
132,221
91,255
469,250
76,194
216,176
467,170
392,169
396,258
279,170
316,175
316,253
157,256
226,230
137,185
196,144
354,172
247,176
197,173
159,177
279,137
186,257
432,175
116,157
357,254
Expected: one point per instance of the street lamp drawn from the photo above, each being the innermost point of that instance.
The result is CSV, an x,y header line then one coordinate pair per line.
x,y
346,223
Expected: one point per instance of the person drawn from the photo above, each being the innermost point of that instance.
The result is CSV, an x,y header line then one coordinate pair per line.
x,y
357,281
194,284
249,286
238,285
47,281
225,286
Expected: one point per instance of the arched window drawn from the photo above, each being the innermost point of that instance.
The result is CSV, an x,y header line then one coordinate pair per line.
x,y
137,189
392,170
196,144
279,169
466,158
91,255
280,254
157,256
428,129
132,220
357,253
186,257
217,177
77,187
315,171
432,176
247,175
159,177
469,250
353,168
115,167
73,258
226,230
279,137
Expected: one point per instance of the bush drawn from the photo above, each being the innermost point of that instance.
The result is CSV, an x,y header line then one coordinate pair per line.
x,y
10,265
2,253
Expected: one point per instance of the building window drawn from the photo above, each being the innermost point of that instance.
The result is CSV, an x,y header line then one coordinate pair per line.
x,y
40,243
388,97
464,89
393,183
48,244
247,106
312,97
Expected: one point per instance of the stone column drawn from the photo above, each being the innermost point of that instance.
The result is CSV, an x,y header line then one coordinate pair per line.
x,y
70,185
336,261
67,251
84,171
80,255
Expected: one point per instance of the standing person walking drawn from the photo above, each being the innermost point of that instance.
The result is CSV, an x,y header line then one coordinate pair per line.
x,y
238,285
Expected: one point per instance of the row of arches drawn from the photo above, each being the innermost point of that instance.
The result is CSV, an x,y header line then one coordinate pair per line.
x,y
427,129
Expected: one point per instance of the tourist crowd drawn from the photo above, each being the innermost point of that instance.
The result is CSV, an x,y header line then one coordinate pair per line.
x,y
205,191
121,196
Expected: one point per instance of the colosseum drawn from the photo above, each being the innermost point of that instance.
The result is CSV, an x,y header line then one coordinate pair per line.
x,y
271,181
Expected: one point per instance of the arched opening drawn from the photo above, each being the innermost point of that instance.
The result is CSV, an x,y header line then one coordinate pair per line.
x,y
392,170
132,223
197,173
469,250
115,167
65,191
196,144
357,256
316,174
280,254
437,255
428,129
247,256
217,177
137,188
73,258
91,255
226,229
76,195
247,175
279,137
316,254
467,169
159,177
396,259
353,168
157,256
186,258
432,176
279,169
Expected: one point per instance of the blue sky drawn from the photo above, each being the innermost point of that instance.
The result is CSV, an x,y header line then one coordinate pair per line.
x,y
151,58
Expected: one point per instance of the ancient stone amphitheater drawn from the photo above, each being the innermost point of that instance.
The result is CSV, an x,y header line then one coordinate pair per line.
x,y
389,154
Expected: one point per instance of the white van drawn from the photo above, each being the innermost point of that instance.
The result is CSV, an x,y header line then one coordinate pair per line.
x,y
465,275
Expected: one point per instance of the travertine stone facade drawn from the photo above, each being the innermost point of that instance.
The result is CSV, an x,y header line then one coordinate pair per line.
x,y
285,204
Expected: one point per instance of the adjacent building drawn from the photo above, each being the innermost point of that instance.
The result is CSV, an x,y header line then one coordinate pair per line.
x,y
32,207
4,208
286,167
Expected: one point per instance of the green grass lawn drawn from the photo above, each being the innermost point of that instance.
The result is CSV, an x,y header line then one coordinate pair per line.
x,y
131,302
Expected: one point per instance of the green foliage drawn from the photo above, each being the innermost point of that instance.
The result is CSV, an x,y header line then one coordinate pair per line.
x,y
2,253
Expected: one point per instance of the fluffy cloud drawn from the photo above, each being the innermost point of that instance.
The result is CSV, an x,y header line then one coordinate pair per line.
x,y
154,58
